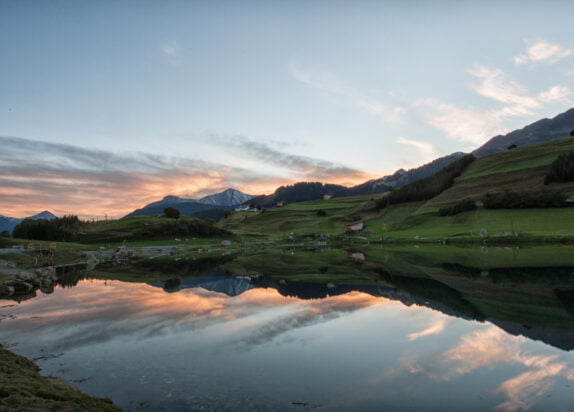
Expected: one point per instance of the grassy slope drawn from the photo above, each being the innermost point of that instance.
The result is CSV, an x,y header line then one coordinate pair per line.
x,y
22,388
300,218
517,169
529,301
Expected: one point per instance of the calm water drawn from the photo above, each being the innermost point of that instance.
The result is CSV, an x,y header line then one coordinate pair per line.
x,y
219,343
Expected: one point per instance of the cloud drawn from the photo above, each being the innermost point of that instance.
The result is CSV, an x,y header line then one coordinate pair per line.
x,y
426,150
489,348
327,82
171,49
305,167
474,126
542,51
37,175
497,85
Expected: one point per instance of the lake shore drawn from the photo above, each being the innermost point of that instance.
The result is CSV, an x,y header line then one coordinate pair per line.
x,y
23,388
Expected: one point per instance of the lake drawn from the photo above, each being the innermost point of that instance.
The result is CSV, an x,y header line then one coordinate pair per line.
x,y
376,328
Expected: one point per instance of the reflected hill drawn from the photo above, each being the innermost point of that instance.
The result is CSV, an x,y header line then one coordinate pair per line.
x,y
527,292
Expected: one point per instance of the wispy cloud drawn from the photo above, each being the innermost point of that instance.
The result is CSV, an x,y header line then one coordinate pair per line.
x,y
304,167
425,150
434,329
497,85
542,51
171,49
37,175
328,82
488,348
474,126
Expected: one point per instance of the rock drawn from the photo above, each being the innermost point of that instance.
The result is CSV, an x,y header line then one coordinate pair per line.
x,y
6,290
27,277
20,287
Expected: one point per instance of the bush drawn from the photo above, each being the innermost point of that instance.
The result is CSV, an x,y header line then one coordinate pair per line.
x,y
562,169
321,213
459,207
428,187
193,227
524,200
58,229
171,212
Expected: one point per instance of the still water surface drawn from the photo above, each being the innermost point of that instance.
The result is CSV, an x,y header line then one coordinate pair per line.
x,y
216,344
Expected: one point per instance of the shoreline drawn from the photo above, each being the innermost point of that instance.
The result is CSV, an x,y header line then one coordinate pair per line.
x,y
24,388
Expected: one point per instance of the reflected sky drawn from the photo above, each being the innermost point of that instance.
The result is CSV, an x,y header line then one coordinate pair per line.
x,y
196,349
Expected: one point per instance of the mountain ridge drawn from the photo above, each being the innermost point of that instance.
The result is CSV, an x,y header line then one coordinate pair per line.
x,y
213,205
9,223
540,131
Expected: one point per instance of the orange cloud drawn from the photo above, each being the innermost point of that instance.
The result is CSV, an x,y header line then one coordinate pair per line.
x,y
38,176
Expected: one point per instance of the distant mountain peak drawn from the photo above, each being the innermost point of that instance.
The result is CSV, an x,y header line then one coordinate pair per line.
x,y
9,223
229,197
43,215
226,200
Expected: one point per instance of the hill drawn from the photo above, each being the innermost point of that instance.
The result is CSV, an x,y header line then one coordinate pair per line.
x,y
306,191
538,132
518,169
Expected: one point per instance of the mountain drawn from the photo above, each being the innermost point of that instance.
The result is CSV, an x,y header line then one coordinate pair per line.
x,y
403,177
538,132
304,191
209,206
229,197
9,223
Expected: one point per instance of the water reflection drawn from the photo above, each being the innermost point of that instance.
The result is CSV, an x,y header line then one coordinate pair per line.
x,y
397,331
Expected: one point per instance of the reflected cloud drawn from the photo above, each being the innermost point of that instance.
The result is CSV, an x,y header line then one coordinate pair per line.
x,y
436,328
120,310
489,348
309,313
523,390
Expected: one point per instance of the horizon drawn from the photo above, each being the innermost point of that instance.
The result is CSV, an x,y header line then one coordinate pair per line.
x,y
108,107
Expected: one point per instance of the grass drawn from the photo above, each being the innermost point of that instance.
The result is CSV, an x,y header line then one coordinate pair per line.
x,y
534,156
22,388
300,265
300,218
527,223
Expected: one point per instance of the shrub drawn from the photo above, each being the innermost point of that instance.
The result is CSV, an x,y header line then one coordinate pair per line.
x,y
192,227
59,229
459,207
562,169
171,212
428,187
524,200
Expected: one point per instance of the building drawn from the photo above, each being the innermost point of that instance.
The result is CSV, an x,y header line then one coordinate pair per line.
x,y
355,226
326,196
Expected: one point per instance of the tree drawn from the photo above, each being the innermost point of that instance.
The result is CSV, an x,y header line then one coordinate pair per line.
x,y
171,212
321,213
5,233
571,132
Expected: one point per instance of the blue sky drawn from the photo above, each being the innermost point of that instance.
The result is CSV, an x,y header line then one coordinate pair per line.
x,y
103,101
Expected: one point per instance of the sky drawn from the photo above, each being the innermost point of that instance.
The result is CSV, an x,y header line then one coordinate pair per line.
x,y
106,106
